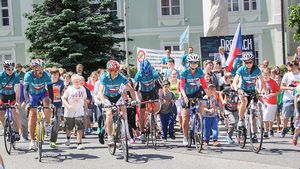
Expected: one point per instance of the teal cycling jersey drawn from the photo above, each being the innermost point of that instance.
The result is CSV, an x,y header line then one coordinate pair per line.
x,y
192,82
248,79
147,83
112,86
37,85
7,83
165,59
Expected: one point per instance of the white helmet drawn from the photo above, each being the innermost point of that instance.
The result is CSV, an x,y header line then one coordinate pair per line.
x,y
9,64
193,58
247,56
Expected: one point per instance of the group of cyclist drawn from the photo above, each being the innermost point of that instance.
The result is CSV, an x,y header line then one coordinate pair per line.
x,y
114,86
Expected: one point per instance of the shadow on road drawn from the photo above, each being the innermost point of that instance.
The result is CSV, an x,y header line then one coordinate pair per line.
x,y
145,158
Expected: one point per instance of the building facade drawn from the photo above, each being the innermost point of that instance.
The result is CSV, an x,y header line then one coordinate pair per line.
x,y
158,24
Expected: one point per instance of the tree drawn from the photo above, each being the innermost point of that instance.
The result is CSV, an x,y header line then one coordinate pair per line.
x,y
68,32
294,21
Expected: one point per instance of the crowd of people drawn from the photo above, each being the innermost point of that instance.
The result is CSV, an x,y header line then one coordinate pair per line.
x,y
79,99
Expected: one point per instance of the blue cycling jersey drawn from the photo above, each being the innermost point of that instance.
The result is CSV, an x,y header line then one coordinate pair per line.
x,y
112,86
147,83
192,82
248,79
7,83
37,85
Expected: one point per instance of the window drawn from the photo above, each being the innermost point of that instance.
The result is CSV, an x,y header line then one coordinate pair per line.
x,y
170,7
4,13
4,57
172,48
249,5
233,5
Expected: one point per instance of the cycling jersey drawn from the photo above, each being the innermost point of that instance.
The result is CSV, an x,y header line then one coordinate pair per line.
x,y
165,59
191,83
7,83
112,86
248,79
37,85
147,83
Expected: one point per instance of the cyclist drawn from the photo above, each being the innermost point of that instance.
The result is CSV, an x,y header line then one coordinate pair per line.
x,y
190,86
10,92
245,82
37,87
110,91
146,89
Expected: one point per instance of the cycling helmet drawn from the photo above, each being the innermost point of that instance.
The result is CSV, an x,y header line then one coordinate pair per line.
x,y
37,63
112,65
146,67
247,56
193,58
9,64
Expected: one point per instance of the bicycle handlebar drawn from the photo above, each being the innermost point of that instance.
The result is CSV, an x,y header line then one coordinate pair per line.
x,y
7,106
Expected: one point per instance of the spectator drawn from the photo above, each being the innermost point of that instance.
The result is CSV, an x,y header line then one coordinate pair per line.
x,y
184,62
20,71
264,65
221,56
279,102
297,54
171,68
81,72
218,69
208,67
164,59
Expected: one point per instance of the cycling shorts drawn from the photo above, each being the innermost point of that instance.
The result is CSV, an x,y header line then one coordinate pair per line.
x,y
151,95
34,99
7,98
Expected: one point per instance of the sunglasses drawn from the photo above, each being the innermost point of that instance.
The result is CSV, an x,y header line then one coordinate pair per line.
x,y
248,62
194,62
9,69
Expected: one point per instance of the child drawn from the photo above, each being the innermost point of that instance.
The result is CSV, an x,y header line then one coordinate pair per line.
x,y
75,102
58,87
229,99
270,102
210,116
166,115
297,114
279,103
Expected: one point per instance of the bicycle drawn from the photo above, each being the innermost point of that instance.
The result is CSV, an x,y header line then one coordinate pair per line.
x,y
9,128
253,125
151,123
119,130
195,125
40,127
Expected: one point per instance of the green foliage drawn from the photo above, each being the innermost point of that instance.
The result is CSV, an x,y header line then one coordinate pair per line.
x,y
294,21
68,32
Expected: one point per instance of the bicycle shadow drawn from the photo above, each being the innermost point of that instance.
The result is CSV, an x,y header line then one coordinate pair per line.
x,y
59,158
144,158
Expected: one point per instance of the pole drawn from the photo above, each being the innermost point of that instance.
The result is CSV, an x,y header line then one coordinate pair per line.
x,y
282,32
126,36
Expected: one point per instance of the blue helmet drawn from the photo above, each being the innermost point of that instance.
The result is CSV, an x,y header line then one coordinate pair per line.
x,y
146,67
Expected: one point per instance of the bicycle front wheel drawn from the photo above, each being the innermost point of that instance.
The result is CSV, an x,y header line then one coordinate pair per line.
x,y
198,132
7,136
40,140
112,148
154,131
256,132
124,140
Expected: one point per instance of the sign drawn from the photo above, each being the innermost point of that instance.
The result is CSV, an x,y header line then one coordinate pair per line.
x,y
155,56
210,45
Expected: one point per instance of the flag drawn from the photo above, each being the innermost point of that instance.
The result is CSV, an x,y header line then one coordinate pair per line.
x,y
184,37
235,49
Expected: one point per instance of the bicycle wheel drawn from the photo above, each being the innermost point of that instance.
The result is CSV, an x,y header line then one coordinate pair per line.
x,y
198,132
7,136
256,132
124,140
112,148
40,140
241,135
154,133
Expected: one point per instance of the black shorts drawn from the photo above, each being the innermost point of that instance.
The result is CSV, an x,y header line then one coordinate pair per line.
x,y
5,98
113,99
151,95
197,94
249,97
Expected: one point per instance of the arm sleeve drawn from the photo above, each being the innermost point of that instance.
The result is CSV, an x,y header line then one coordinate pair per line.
x,y
203,83
181,84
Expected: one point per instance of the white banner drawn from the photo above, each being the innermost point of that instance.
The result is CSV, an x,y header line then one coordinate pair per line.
x,y
155,56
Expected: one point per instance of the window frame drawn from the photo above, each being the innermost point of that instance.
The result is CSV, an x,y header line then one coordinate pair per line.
x,y
231,6
9,9
250,5
170,8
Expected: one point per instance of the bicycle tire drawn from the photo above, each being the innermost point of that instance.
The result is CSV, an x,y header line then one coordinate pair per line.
x,y
241,135
40,140
256,147
154,131
112,149
7,136
124,140
198,132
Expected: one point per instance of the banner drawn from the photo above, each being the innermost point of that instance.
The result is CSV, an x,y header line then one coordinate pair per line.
x,y
210,45
155,56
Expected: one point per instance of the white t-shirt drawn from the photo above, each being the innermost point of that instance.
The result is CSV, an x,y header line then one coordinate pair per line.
x,y
290,80
76,98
